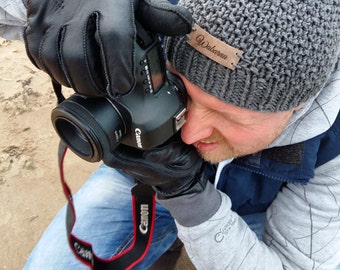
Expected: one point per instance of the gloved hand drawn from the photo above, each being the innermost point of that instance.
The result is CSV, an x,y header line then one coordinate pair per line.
x,y
173,169
89,45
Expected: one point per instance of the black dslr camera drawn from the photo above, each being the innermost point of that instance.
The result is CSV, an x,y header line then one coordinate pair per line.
x,y
143,118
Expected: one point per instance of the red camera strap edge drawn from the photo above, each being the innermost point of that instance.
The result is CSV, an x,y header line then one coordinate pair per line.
x,y
143,210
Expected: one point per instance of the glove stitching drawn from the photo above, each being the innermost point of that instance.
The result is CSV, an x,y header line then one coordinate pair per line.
x,y
102,55
43,66
59,42
88,69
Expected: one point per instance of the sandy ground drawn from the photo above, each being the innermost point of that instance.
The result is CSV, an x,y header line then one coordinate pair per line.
x,y
30,188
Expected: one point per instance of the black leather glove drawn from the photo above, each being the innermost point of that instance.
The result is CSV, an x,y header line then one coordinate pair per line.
x,y
89,45
173,169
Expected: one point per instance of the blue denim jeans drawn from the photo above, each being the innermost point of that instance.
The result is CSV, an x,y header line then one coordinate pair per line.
x,y
104,219
103,209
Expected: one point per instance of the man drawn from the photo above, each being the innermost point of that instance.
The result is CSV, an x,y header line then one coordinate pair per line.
x,y
268,118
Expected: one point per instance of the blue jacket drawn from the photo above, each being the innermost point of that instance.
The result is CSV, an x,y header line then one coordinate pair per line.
x,y
252,182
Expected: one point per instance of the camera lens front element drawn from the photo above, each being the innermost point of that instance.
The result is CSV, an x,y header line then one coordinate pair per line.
x,y
74,137
89,126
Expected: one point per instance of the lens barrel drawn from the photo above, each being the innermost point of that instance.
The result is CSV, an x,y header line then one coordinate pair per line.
x,y
89,126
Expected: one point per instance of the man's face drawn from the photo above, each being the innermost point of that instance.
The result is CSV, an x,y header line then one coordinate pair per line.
x,y
222,131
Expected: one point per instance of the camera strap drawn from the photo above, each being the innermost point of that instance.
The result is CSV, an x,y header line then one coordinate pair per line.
x,y
143,208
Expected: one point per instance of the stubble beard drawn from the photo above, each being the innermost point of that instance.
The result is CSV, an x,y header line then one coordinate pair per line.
x,y
228,151
216,156
224,152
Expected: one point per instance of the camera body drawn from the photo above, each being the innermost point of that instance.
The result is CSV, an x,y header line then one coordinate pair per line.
x,y
147,116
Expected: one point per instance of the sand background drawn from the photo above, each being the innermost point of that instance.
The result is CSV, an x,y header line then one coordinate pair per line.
x,y
30,188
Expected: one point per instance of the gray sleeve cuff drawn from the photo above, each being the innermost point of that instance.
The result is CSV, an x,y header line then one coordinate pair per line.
x,y
193,209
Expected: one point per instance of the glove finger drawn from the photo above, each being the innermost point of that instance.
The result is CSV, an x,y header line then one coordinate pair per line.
x,y
32,48
167,19
33,34
116,40
80,57
124,158
174,154
50,57
43,54
174,161
41,39
131,161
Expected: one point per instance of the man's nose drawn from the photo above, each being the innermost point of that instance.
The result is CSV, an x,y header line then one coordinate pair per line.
x,y
197,126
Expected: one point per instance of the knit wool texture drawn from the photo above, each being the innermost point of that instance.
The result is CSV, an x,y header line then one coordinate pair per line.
x,y
290,48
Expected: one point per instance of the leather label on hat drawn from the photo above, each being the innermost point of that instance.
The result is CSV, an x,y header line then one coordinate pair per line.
x,y
214,48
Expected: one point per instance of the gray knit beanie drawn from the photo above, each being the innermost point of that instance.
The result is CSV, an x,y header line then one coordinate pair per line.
x,y
289,47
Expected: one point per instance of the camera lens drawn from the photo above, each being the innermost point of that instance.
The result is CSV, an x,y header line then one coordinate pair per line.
x,y
90,127
74,137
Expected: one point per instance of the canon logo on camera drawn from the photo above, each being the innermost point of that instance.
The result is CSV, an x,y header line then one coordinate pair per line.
x,y
138,133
